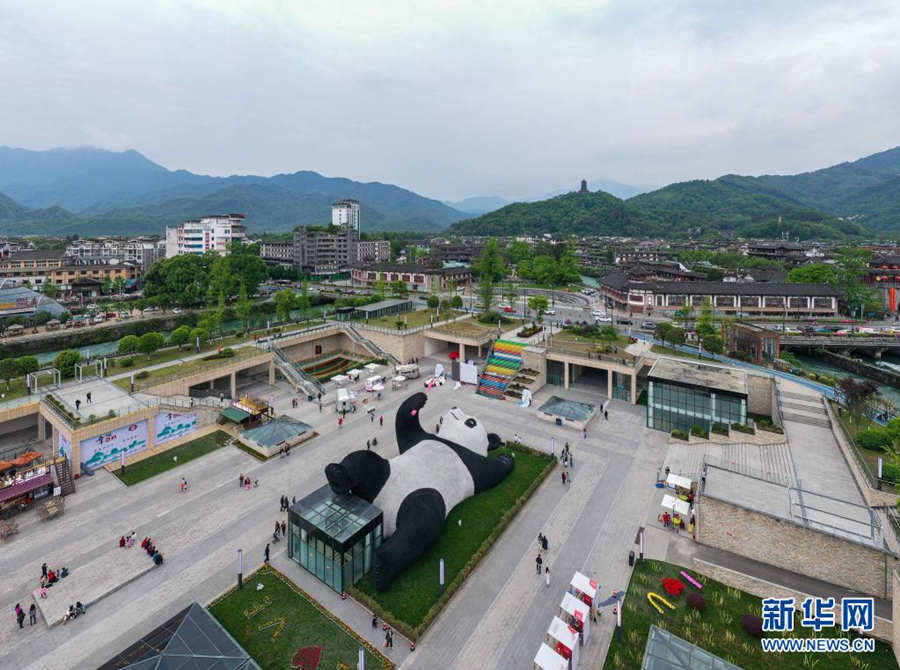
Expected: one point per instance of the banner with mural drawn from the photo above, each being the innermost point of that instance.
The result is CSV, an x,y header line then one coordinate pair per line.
x,y
169,425
105,448
65,446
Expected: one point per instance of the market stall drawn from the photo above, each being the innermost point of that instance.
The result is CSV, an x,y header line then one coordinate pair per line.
x,y
585,590
564,639
375,383
21,486
547,659
576,613
683,486
371,367
340,379
398,383
354,373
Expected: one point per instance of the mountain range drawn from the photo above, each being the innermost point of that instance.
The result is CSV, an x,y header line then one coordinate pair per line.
x,y
93,191
89,191
844,201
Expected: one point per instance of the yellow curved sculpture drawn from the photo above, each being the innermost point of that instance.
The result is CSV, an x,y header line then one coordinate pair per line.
x,y
651,596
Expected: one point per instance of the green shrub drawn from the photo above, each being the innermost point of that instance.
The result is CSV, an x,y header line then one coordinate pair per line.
x,y
65,362
679,434
876,439
128,344
742,428
29,364
720,428
126,362
141,374
890,472
700,431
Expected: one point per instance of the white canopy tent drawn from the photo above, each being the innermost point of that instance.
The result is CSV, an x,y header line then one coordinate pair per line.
x,y
677,505
564,638
674,481
354,373
584,588
371,366
547,659
340,379
573,610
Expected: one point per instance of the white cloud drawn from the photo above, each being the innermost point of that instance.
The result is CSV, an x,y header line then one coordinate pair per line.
x,y
458,98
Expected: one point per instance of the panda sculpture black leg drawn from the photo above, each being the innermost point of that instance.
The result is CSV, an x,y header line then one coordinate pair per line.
x,y
360,472
420,520
407,426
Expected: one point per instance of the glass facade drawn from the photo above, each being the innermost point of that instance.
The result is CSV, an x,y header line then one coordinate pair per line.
x,y
621,386
334,536
671,406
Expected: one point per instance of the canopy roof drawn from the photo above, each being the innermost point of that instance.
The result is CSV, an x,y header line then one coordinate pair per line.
x,y
575,607
585,585
561,631
678,481
547,659
234,414
680,506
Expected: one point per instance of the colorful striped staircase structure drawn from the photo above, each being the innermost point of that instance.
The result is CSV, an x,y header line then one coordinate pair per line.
x,y
503,363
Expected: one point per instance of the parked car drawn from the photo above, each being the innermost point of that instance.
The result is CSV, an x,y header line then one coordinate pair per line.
x,y
124,315
177,310
597,313
99,319
648,325
624,322
604,318
509,309
550,312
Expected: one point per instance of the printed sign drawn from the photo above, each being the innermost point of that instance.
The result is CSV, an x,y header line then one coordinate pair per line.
x,y
169,425
65,446
97,451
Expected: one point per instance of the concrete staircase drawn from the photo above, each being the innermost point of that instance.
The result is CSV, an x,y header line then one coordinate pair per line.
x,y
503,362
369,344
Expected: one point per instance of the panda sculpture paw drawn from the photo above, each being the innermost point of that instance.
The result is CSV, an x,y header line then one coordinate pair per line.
x,y
339,478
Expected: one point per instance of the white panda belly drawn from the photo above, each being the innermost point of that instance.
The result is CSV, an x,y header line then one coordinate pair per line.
x,y
427,465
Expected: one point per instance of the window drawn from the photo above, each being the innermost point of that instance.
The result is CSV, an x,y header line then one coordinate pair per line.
x,y
749,301
774,301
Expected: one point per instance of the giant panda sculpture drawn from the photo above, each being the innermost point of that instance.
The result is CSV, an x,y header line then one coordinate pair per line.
x,y
417,489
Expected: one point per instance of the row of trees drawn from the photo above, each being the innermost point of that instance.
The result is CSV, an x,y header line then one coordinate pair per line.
x,y
12,368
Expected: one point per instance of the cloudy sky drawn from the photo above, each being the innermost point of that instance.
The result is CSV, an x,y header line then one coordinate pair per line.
x,y
458,98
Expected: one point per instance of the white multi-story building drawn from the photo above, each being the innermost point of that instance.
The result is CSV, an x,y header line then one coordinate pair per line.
x,y
208,233
141,251
345,214
373,251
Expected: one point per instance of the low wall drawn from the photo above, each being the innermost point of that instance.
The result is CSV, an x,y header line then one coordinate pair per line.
x,y
793,547
761,395
884,629
861,368
402,347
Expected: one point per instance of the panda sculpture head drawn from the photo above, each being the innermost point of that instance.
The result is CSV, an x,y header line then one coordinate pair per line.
x,y
467,431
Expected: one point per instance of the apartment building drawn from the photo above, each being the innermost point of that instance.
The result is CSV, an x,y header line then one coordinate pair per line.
x,y
69,274
209,233
416,277
141,250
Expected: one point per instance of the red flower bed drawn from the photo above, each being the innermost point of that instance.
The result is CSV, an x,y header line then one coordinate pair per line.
x,y
673,587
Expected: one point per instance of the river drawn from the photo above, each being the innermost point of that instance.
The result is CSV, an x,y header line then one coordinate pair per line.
x,y
818,366
110,347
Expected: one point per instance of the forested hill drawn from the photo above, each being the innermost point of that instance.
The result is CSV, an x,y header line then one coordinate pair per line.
x,y
595,213
695,208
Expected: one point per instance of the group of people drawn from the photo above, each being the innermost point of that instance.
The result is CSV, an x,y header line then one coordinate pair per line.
x,y
127,541
568,461
78,402
280,529
543,544
20,615
74,612
154,553
49,577
244,482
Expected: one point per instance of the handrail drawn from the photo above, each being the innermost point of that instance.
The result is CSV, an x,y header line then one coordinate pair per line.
x,y
300,377
351,330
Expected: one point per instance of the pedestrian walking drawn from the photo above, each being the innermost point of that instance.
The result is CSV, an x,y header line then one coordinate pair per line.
x,y
77,404
20,615
294,500
340,422
381,420
183,484
571,461
88,396
372,417
44,570
538,563
564,477
544,542
267,553
284,528
547,576
585,432
368,445
320,407
241,481
32,614
606,414
540,541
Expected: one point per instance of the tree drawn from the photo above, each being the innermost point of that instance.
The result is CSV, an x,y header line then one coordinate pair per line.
x,y
610,256
398,289
119,284
148,343
539,304
486,291
304,302
181,280
50,290
433,302
706,322
685,315
491,262
106,287
29,364
199,336
284,303
9,369
661,332
456,302
852,265
65,362
856,394
128,344
243,307
675,336
813,273
711,342
180,336
380,290
608,333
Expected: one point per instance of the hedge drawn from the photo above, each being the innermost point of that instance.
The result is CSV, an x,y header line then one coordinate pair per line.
x,y
876,439
680,435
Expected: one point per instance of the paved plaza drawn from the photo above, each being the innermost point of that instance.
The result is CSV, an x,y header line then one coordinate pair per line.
x,y
496,620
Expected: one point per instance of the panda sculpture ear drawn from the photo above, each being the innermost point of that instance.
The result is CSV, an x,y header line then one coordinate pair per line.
x,y
494,441
406,426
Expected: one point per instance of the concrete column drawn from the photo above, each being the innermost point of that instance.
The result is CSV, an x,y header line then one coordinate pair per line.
x,y
609,383
272,372
41,428
233,385
565,374
151,432
634,389
212,384
462,352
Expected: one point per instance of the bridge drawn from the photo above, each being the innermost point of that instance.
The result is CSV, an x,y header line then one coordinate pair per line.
x,y
872,344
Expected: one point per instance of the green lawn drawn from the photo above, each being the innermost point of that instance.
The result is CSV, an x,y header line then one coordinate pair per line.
x,y
186,369
166,460
416,591
718,628
277,622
